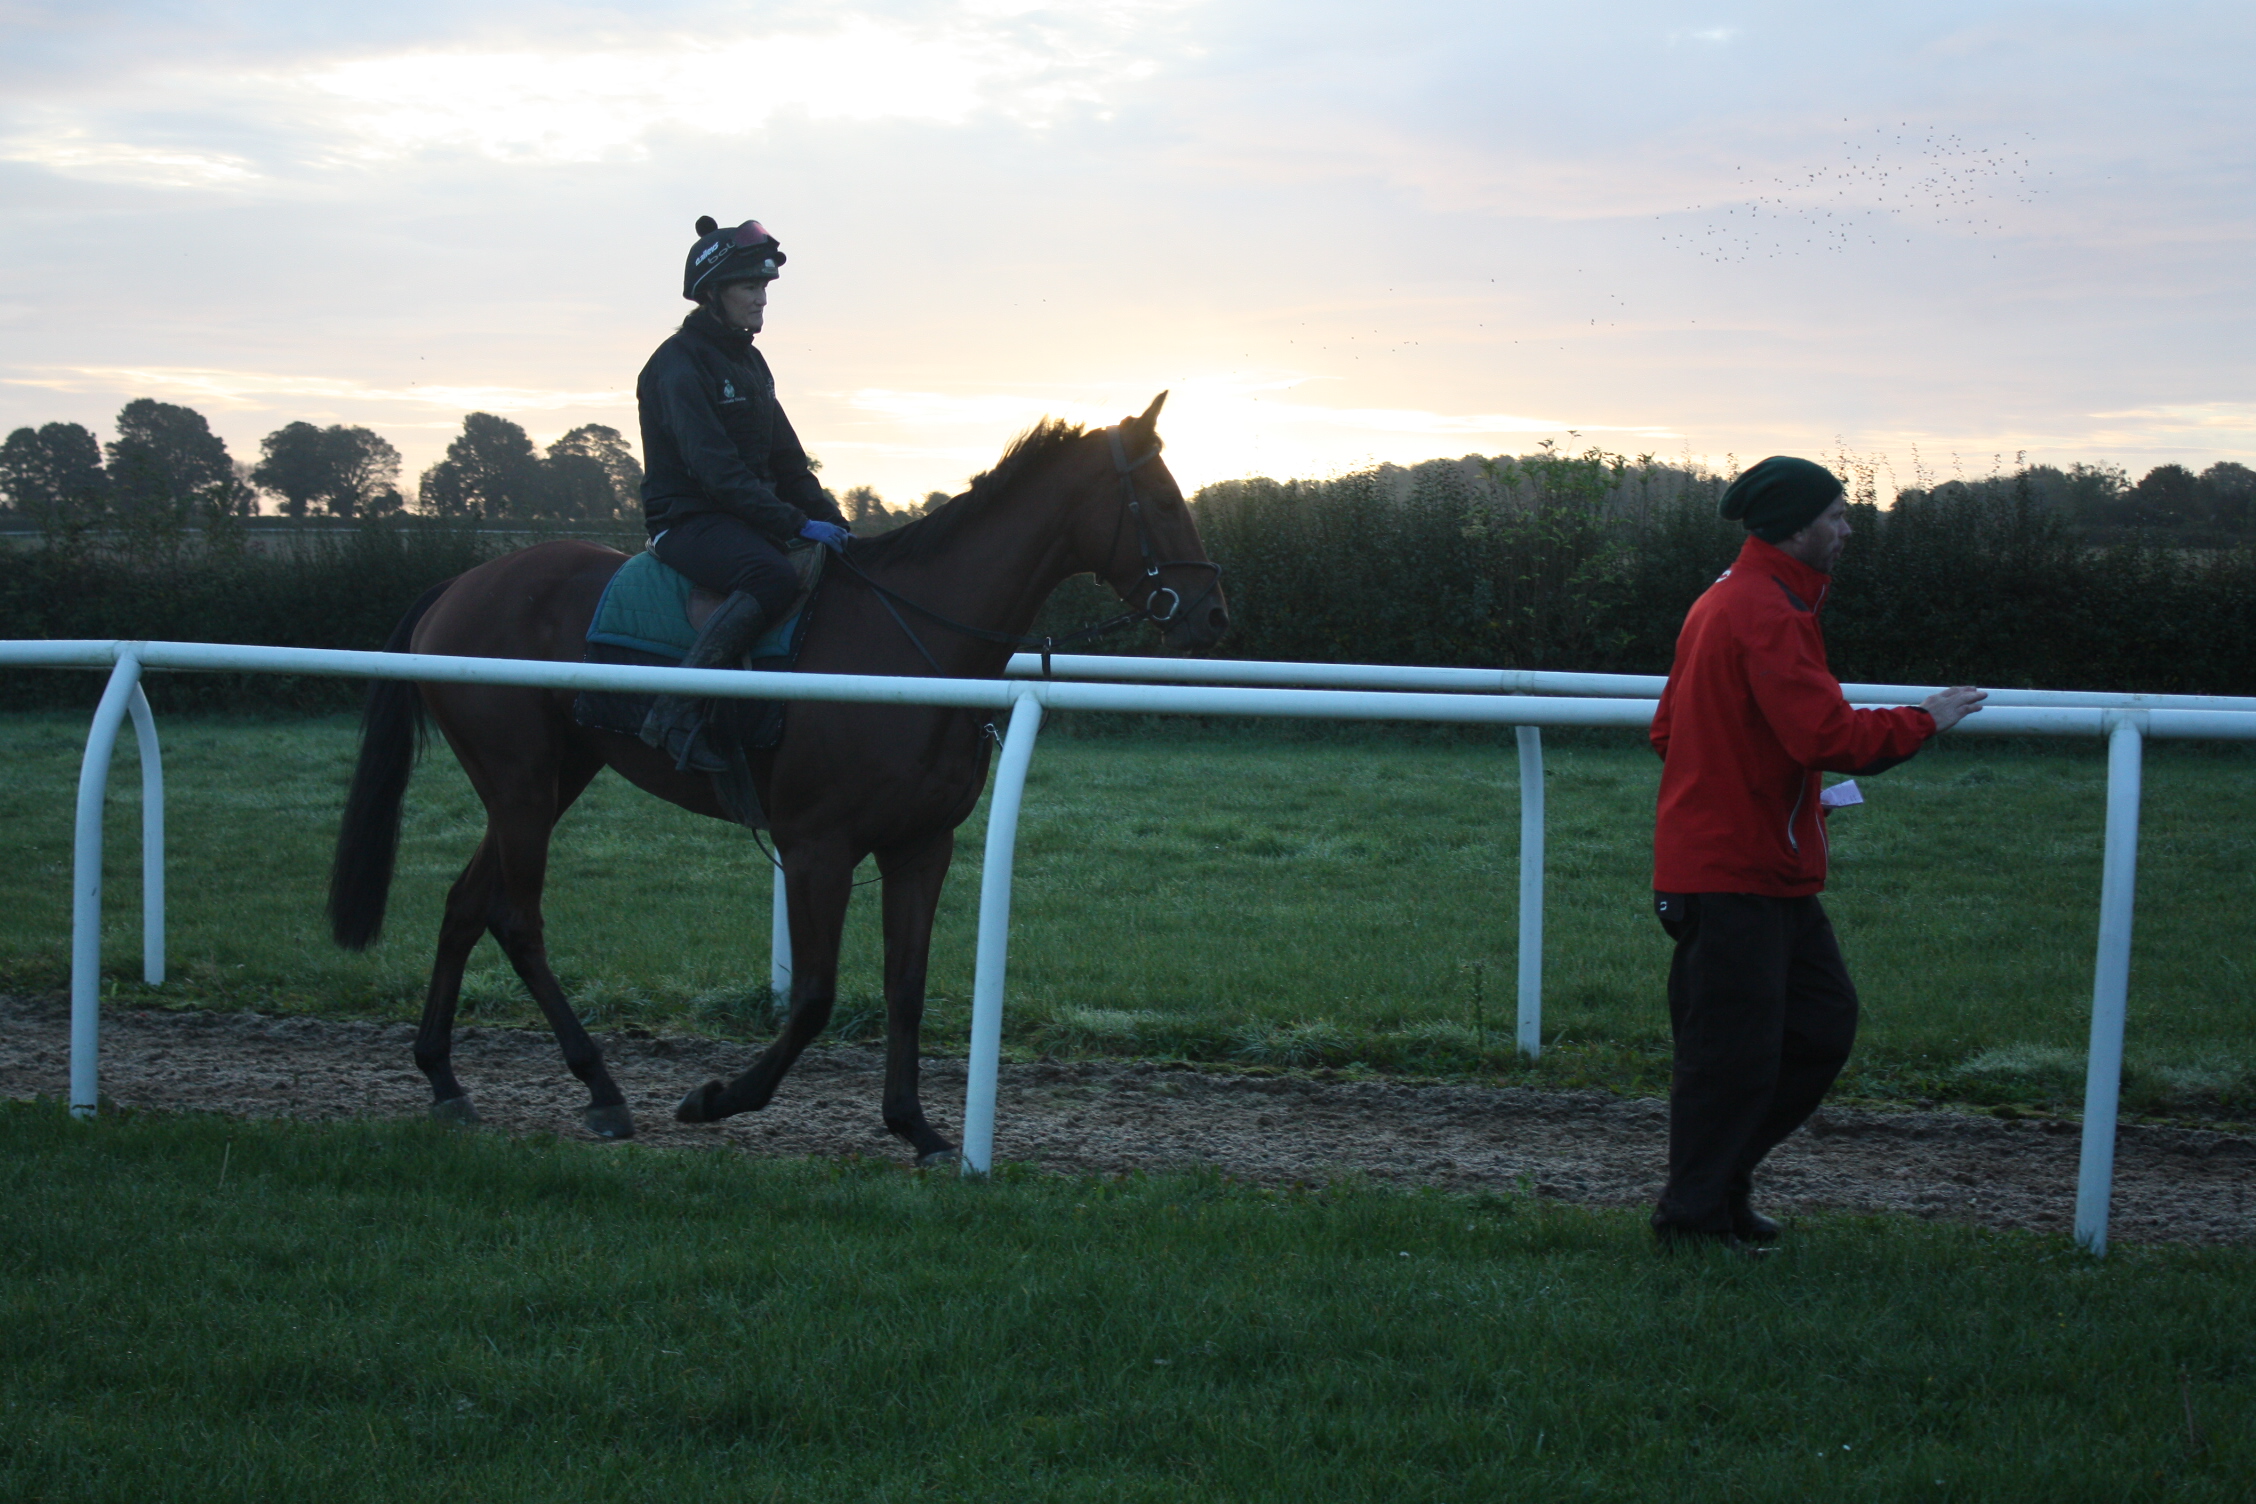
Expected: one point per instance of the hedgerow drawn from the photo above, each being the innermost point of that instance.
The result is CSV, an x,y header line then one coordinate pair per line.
x,y
1543,561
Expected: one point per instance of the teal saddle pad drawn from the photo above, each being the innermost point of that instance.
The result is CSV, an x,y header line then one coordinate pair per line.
x,y
643,617
646,608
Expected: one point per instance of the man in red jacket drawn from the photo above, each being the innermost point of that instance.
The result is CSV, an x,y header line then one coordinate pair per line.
x,y
1760,1006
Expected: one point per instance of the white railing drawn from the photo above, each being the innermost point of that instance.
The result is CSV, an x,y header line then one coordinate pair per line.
x,y
1529,681
2125,726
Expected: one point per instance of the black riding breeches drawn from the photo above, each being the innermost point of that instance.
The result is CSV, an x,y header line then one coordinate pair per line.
x,y
1763,1014
725,553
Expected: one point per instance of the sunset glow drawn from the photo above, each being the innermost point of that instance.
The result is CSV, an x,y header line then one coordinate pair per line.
x,y
1336,236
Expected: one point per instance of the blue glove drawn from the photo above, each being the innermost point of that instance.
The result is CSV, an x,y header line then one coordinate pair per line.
x,y
829,534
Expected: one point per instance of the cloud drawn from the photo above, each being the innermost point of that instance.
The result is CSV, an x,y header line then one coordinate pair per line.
x,y
587,99
243,389
2192,416
73,152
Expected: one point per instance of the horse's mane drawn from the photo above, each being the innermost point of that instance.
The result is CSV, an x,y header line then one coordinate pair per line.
x,y
935,529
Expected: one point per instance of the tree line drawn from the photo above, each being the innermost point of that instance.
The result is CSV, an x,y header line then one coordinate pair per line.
x,y
2044,578
2048,577
2169,505
167,473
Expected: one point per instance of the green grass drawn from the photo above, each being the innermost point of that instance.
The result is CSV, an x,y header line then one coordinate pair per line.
x,y
1265,898
201,1309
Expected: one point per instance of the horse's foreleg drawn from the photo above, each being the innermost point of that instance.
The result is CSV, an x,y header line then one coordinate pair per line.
x,y
914,873
818,880
468,902
521,837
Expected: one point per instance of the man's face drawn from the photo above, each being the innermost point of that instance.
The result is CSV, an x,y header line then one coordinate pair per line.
x,y
1819,545
744,305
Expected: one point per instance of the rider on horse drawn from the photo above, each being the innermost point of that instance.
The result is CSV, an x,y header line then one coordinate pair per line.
x,y
725,483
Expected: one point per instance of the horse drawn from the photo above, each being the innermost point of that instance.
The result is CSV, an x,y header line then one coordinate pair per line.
x,y
951,593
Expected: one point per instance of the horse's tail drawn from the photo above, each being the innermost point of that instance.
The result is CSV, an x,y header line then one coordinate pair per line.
x,y
391,736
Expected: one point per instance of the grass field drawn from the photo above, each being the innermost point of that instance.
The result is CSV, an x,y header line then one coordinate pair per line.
x,y
1259,896
202,1309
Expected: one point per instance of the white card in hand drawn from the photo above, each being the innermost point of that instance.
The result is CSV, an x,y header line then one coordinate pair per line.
x,y
1841,795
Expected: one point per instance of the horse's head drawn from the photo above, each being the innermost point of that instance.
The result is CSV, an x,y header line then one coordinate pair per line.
x,y
1143,542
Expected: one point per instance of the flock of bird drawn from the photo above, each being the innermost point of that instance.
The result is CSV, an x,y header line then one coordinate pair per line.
x,y
1879,185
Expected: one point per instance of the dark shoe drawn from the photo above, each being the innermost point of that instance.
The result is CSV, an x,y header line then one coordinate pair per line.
x,y
1674,1239
1752,1226
676,724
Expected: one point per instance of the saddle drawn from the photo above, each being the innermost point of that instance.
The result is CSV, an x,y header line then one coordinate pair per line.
x,y
650,613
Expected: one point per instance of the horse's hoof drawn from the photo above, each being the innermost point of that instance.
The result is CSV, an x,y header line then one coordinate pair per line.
x,y
455,1112
610,1122
699,1105
940,1159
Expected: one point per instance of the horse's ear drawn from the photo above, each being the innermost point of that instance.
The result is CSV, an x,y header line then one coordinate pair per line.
x,y
1149,422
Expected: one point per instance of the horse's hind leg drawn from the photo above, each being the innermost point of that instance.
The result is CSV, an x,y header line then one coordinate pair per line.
x,y
914,872
468,904
818,880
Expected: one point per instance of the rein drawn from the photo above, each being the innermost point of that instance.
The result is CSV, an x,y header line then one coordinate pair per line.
x,y
1132,508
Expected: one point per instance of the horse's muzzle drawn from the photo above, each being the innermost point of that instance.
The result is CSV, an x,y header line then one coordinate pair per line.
x,y
1200,625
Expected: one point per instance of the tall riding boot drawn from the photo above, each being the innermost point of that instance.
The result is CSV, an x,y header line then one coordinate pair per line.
x,y
676,724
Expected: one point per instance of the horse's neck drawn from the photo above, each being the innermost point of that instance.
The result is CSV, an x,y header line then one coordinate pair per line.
x,y
995,574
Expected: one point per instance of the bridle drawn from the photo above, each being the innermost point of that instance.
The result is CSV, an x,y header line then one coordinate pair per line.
x,y
1131,510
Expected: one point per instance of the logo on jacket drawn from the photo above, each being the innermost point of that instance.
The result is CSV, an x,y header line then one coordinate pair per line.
x,y
729,392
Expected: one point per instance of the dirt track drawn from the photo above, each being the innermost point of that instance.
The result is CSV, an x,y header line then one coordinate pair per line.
x,y
2172,1184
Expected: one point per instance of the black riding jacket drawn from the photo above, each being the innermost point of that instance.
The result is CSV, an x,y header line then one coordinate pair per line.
x,y
715,440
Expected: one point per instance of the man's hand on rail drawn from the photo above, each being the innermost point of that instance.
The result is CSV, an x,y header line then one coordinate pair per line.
x,y
1950,706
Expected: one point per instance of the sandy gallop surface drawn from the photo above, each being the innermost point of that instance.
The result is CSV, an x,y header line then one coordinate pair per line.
x,y
1103,1117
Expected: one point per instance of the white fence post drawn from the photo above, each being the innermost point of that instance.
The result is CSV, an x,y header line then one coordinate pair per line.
x,y
994,935
1531,891
2111,981
86,887
152,840
779,941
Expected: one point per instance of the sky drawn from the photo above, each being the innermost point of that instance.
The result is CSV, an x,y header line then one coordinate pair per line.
x,y
1935,238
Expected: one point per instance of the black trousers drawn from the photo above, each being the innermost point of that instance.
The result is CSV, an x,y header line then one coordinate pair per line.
x,y
726,553
1763,1014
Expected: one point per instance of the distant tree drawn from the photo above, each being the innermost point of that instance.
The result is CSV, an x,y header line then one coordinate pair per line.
x,y
2093,495
592,476
490,470
2169,497
867,513
168,469
367,470
2228,496
294,467
347,471
934,499
53,477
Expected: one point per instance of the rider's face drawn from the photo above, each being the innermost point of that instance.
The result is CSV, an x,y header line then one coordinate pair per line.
x,y
744,305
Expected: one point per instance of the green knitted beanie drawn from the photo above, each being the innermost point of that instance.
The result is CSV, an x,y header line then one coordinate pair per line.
x,y
1780,496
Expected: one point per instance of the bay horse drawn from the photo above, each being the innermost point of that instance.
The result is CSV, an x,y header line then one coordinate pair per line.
x,y
845,781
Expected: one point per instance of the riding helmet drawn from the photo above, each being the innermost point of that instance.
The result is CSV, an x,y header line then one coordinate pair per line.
x,y
741,253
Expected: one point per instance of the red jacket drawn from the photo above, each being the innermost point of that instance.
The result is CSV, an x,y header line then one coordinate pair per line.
x,y
1750,716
